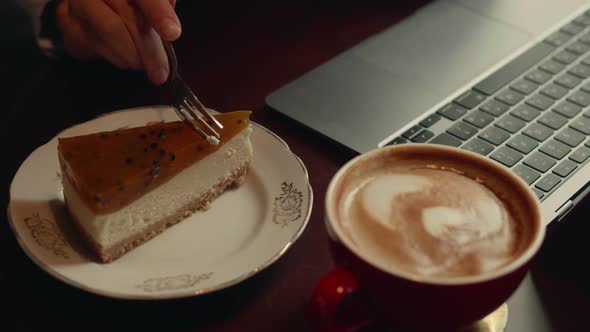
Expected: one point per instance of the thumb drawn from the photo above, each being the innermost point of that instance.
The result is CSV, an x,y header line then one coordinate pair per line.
x,y
161,16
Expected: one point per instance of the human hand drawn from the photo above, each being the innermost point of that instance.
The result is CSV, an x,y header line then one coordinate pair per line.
x,y
124,32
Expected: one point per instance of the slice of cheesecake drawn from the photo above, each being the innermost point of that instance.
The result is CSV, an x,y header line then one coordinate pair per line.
x,y
124,187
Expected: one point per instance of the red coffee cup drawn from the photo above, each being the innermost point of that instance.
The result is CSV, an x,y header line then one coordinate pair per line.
x,y
359,291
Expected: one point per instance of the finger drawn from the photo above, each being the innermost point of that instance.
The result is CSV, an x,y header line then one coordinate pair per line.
x,y
146,39
83,45
160,14
154,57
74,38
105,26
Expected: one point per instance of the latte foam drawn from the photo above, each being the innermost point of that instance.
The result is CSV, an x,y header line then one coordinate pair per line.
x,y
430,220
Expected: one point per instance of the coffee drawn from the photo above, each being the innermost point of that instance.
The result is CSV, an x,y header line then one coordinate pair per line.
x,y
431,214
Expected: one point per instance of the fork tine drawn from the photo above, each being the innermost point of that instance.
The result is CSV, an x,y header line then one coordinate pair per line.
x,y
199,106
189,108
180,112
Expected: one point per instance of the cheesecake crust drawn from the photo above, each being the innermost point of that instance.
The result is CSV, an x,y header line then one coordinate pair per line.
x,y
107,255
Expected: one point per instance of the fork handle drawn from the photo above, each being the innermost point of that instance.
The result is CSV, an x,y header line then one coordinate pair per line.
x,y
172,62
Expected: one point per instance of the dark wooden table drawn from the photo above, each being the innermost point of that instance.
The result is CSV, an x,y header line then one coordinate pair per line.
x,y
233,53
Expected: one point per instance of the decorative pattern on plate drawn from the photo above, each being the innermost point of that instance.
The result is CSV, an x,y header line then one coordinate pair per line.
x,y
257,243
174,282
287,206
47,235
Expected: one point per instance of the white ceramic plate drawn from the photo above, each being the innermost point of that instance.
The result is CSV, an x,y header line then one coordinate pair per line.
x,y
244,231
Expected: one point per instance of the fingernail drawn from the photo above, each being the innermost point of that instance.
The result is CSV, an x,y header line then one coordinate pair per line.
x,y
160,76
170,30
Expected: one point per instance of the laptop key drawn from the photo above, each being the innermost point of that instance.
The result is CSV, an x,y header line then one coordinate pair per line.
x,y
462,130
580,70
582,20
565,168
580,154
572,29
510,97
411,132
539,101
522,144
470,99
494,135
582,125
506,156
478,146
423,136
580,97
525,112
478,119
578,48
570,137
548,182
552,67
553,120
446,139
555,149
538,76
494,108
565,57
567,80
524,86
586,87
567,109
585,37
539,193
514,68
540,162
452,111
528,175
554,91
430,120
558,38
538,132
397,140
510,123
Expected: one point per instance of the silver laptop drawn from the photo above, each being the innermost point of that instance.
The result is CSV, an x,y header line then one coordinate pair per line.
x,y
509,79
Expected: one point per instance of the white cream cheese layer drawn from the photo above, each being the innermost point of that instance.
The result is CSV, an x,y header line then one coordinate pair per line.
x,y
164,201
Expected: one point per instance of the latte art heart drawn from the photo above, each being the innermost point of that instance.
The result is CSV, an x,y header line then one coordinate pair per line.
x,y
378,195
431,222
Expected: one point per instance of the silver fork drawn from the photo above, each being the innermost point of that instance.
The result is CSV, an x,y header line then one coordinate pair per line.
x,y
185,102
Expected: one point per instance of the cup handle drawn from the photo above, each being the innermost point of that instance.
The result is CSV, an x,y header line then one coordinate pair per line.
x,y
337,304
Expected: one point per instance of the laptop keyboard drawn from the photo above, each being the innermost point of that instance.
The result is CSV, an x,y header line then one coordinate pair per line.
x,y
531,115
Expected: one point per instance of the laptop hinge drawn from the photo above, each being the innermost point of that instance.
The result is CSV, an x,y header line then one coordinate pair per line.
x,y
564,209
580,194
